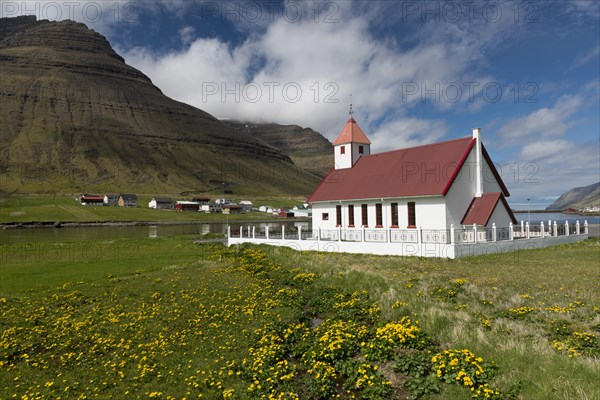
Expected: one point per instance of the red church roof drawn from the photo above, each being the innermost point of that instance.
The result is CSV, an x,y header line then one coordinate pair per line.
x,y
417,171
482,208
351,132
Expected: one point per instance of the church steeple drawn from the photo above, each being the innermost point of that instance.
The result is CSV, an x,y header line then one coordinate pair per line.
x,y
351,144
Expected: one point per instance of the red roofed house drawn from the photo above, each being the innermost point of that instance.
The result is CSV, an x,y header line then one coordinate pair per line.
x,y
431,187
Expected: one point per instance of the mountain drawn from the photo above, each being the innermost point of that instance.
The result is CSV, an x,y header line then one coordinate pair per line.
x,y
75,118
308,149
577,198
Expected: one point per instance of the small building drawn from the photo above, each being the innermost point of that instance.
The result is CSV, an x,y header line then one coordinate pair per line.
x,y
283,213
127,200
302,211
111,200
232,209
265,209
201,200
92,200
246,205
161,203
187,206
210,208
224,201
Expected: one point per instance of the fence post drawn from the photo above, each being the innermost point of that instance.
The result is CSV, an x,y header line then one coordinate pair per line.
x,y
282,232
543,230
577,227
241,232
319,235
362,233
554,229
339,233
299,232
419,235
510,231
228,231
475,238
522,228
452,238
527,229
567,228
494,231
267,232
254,232
585,227
248,230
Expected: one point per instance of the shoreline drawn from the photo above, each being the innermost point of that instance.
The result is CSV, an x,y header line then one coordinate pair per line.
x,y
73,224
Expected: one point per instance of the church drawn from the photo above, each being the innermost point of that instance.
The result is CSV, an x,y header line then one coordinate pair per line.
x,y
443,199
433,186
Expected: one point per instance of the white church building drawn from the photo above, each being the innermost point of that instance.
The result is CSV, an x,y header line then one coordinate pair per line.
x,y
443,199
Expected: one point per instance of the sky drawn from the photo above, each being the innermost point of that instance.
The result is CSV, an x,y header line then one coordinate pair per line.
x,y
526,72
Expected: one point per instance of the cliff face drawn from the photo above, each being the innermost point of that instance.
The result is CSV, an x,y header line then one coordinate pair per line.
x,y
577,198
308,149
75,117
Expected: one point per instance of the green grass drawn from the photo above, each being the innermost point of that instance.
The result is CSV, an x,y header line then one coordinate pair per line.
x,y
164,317
67,209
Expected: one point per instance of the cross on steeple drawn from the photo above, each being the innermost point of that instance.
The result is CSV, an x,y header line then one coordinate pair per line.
x,y
351,112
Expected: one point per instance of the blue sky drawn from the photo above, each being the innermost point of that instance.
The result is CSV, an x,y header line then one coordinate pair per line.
x,y
526,72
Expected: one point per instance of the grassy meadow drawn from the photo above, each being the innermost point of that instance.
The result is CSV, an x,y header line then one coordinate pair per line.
x,y
168,319
67,209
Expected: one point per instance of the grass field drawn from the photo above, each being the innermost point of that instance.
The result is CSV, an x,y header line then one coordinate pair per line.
x,y
63,208
165,318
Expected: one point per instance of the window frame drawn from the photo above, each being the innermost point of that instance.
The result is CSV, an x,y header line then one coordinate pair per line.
x,y
394,215
412,214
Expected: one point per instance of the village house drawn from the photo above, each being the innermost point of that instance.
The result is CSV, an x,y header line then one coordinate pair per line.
x,y
210,208
127,200
442,199
183,205
304,211
111,200
232,209
92,200
161,203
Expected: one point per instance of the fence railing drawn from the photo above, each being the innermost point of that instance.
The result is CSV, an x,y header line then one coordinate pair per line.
x,y
453,235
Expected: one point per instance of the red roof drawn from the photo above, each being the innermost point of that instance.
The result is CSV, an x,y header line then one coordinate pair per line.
x,y
417,171
482,208
351,132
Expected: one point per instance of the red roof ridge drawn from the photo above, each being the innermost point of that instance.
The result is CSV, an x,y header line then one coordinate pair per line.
x,y
419,146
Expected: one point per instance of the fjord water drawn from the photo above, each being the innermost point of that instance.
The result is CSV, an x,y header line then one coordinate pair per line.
x,y
103,233
70,234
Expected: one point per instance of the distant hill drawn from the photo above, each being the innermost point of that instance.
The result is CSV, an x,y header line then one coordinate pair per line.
x,y
577,198
308,149
75,118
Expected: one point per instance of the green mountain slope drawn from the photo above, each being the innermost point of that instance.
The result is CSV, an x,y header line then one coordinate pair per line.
x,y
578,198
75,118
308,149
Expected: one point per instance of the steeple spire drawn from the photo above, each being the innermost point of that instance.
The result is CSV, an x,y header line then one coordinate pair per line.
x,y
351,111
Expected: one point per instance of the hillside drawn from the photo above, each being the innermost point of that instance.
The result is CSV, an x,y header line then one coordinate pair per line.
x,y
76,118
308,149
577,198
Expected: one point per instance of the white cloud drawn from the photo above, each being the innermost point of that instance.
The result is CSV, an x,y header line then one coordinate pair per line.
x,y
549,168
544,122
408,132
327,62
593,53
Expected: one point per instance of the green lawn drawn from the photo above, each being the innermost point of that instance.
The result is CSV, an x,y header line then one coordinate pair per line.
x,y
165,318
67,209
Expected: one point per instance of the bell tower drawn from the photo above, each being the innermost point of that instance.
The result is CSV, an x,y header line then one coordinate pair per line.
x,y
350,145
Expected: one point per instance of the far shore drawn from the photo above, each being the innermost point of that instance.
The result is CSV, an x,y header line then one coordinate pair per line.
x,y
72,224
